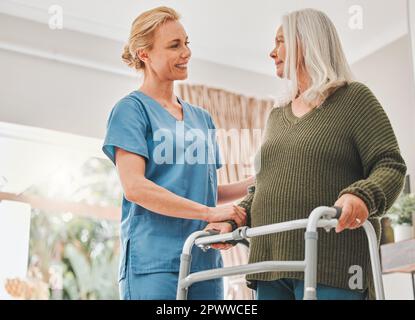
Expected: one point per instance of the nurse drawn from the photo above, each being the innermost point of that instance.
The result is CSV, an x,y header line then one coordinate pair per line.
x,y
166,155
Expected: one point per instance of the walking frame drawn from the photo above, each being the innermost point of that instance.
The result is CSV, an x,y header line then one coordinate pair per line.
x,y
320,217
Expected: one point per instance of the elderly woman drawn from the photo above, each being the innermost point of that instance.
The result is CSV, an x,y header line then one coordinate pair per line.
x,y
332,144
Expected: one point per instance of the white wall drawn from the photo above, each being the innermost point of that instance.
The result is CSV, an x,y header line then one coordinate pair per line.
x,y
14,242
388,73
398,286
68,81
236,80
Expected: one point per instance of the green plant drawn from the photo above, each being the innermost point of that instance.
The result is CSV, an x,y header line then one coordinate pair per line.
x,y
82,252
77,256
401,211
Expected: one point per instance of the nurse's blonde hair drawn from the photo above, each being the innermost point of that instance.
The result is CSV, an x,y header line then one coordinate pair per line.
x,y
142,33
324,59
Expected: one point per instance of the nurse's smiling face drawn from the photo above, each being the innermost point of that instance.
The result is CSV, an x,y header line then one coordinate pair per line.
x,y
168,58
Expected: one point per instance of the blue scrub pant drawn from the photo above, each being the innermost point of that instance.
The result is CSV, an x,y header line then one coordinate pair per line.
x,y
163,286
292,289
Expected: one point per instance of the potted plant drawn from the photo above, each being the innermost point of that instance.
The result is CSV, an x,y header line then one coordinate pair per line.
x,y
401,215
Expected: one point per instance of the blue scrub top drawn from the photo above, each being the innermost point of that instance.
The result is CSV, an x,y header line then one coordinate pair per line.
x,y
182,157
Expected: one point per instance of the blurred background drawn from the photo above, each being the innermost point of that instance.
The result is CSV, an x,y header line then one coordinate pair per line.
x,y
61,74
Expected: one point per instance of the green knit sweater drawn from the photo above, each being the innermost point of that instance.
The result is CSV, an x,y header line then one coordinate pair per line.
x,y
346,145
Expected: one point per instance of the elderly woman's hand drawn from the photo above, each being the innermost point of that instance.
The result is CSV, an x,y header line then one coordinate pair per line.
x,y
222,227
354,212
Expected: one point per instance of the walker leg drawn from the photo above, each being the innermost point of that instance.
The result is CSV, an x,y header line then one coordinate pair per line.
x,y
375,260
310,272
185,260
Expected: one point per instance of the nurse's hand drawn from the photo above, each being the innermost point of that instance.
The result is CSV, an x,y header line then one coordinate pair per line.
x,y
222,227
227,212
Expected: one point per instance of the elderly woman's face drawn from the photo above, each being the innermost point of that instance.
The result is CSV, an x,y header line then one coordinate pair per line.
x,y
278,54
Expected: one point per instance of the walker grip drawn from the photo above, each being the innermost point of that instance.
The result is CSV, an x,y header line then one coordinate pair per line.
x,y
338,212
232,242
213,232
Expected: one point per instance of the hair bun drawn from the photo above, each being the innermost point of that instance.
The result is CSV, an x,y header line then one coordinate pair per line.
x,y
127,57
142,34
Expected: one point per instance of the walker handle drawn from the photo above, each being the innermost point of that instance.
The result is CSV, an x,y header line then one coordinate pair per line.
x,y
213,232
232,242
338,212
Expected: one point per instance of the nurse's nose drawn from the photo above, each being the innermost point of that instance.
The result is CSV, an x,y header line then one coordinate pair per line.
x,y
187,53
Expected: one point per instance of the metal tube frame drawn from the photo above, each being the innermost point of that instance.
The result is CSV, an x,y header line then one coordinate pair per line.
x,y
320,217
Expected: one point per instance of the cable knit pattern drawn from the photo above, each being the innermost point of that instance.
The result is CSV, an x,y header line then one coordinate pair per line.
x,y
346,145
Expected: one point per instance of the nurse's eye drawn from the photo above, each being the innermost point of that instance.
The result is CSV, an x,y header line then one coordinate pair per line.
x,y
177,45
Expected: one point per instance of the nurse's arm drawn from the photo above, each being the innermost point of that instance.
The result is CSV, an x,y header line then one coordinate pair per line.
x,y
234,191
138,189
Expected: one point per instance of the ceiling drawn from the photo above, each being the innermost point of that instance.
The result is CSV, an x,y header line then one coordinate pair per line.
x,y
232,32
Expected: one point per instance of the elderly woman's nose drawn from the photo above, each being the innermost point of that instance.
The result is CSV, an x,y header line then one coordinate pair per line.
x,y
273,53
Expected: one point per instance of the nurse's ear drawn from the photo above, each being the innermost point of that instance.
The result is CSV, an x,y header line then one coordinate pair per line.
x,y
142,55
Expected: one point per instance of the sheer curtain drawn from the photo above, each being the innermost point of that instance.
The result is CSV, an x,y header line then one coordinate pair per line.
x,y
240,121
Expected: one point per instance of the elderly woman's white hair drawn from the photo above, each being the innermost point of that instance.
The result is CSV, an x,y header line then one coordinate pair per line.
x,y
324,58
